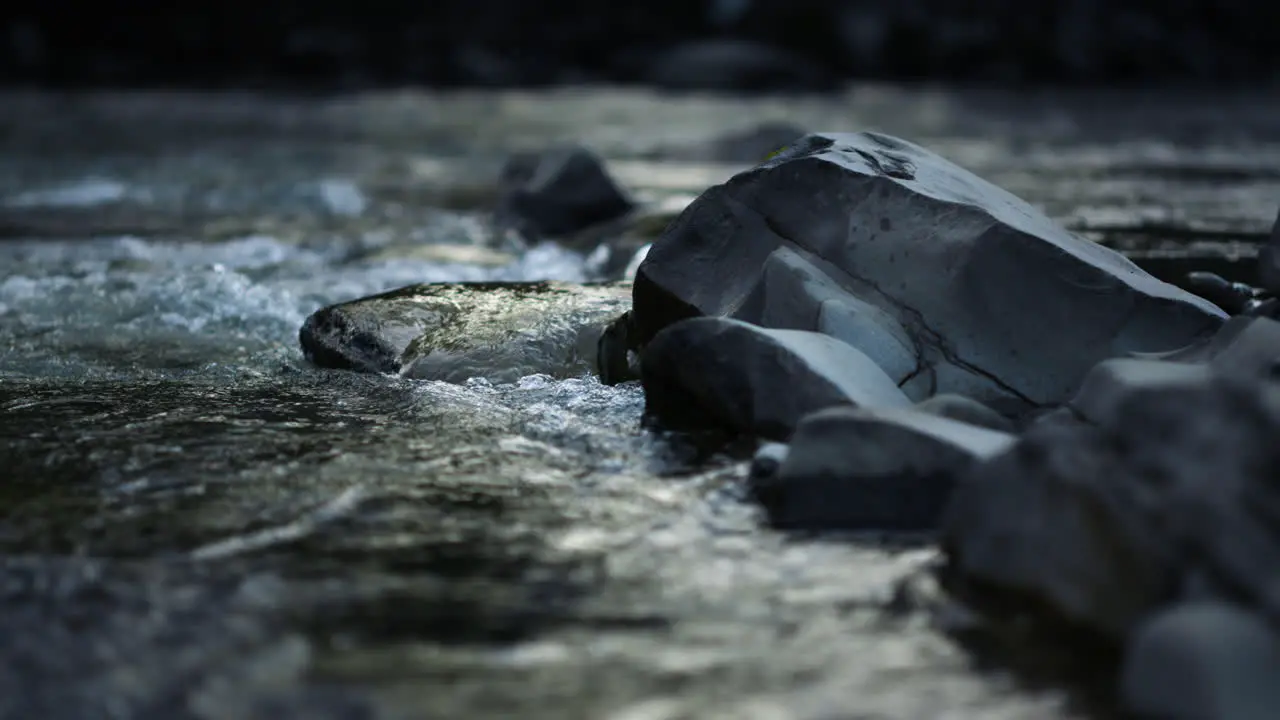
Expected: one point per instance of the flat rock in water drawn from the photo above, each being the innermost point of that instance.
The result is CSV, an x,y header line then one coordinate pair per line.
x,y
951,284
716,372
868,469
1203,660
1170,492
455,331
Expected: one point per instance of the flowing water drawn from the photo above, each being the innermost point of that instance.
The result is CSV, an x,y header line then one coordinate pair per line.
x,y
194,522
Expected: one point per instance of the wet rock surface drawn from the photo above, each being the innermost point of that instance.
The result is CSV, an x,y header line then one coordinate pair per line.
x,y
454,332
951,284
198,522
1161,495
872,469
715,372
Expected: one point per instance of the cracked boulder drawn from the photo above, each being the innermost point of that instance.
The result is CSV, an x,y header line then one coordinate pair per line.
x,y
872,469
1166,493
725,374
456,331
949,283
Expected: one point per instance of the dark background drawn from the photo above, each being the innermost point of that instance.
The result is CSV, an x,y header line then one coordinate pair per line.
x,y
733,44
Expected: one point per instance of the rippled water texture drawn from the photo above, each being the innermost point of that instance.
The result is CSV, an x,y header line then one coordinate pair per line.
x,y
196,523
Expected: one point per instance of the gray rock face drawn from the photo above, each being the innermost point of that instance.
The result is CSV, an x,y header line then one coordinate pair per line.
x,y
868,469
1170,493
753,380
559,191
1203,660
455,331
949,283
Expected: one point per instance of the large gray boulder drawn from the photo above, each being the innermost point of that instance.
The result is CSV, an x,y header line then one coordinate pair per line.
x,y
730,375
1167,492
456,331
949,283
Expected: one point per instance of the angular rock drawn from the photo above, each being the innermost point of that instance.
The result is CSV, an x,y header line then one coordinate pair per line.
x,y
1169,493
1203,660
1112,383
983,294
716,372
872,469
455,331
558,192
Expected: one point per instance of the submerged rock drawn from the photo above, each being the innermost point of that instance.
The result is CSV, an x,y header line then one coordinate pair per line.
x,y
1170,493
1203,660
868,469
753,380
949,283
455,331
558,192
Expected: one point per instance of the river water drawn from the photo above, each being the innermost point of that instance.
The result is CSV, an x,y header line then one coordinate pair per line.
x,y
196,523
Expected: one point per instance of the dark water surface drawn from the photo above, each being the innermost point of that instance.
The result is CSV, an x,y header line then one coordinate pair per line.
x,y
196,523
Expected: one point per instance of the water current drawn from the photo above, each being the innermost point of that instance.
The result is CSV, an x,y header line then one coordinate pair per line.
x,y
195,522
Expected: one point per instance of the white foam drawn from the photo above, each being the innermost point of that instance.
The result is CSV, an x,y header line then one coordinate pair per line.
x,y
82,193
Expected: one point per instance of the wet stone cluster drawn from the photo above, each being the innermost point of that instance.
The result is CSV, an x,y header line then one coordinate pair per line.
x,y
912,349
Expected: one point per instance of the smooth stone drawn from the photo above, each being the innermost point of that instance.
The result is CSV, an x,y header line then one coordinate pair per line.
x,y
794,293
873,469
1203,661
717,372
455,331
998,302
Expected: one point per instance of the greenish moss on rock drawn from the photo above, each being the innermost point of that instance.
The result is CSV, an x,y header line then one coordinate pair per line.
x,y
456,331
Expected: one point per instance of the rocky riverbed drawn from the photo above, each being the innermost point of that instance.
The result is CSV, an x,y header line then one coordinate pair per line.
x,y
197,521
